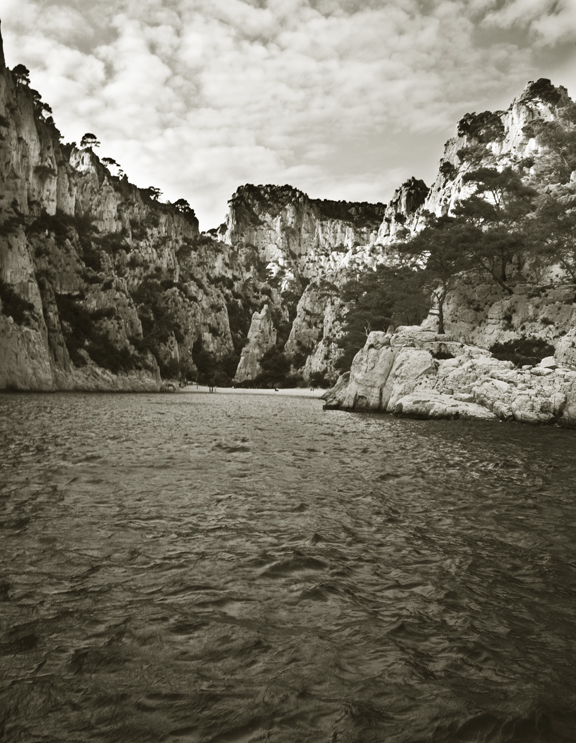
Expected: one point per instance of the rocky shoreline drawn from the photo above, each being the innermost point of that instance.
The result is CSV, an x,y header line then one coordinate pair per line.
x,y
421,374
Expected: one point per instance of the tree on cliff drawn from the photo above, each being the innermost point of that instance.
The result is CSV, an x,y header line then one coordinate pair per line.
x,y
152,193
553,232
89,140
22,74
442,250
498,209
378,299
558,138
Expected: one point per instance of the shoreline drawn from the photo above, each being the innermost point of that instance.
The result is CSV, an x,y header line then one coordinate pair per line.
x,y
287,392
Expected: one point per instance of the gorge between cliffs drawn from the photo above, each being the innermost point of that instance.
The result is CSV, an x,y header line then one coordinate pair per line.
x,y
103,287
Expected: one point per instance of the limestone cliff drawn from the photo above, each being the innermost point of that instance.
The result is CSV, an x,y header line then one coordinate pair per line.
x,y
404,212
102,286
492,139
417,373
261,338
299,238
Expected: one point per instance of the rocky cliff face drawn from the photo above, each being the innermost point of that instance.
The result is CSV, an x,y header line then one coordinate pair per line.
x,y
299,238
419,374
492,139
101,285
403,214
261,338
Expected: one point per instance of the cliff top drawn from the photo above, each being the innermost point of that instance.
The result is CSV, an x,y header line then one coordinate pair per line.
x,y
275,198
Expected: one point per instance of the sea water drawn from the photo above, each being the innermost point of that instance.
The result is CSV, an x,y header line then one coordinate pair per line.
x,y
232,568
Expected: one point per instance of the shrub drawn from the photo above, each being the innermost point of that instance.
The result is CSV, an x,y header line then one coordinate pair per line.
x,y
211,370
522,351
485,127
112,242
45,171
10,225
318,379
15,306
80,330
275,368
448,170
542,89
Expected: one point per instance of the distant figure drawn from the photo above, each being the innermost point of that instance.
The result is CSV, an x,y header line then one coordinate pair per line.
x,y
275,389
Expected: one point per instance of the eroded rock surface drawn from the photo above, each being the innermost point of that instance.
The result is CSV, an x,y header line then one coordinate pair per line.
x,y
410,373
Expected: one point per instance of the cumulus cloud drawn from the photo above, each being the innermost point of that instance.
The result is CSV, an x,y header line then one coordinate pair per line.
x,y
200,96
549,21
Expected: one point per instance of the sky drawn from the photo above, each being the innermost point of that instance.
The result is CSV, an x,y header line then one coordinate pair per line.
x,y
343,99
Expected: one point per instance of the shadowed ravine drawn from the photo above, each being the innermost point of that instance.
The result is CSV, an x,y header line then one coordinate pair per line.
x,y
226,569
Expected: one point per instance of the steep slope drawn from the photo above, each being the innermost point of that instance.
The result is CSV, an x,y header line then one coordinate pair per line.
x,y
300,238
493,139
101,285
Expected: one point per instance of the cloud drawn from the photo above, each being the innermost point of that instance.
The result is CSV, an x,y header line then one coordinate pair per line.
x,y
549,21
200,96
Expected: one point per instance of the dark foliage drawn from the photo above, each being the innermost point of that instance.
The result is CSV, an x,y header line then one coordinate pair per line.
x,y
15,306
319,379
156,314
63,226
484,127
448,170
377,300
212,371
522,351
542,89
10,225
82,332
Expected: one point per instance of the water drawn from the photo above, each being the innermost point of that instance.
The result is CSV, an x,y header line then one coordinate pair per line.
x,y
240,568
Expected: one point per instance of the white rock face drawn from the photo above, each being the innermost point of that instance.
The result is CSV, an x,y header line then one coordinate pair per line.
x,y
506,146
298,237
481,313
404,212
261,338
408,374
137,242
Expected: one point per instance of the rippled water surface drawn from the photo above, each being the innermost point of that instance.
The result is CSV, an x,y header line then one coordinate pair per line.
x,y
240,568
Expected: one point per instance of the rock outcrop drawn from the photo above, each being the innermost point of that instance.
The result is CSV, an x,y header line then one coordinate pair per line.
x,y
261,338
403,214
420,374
296,237
489,139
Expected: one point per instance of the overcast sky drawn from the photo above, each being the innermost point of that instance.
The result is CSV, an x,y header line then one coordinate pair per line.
x,y
343,99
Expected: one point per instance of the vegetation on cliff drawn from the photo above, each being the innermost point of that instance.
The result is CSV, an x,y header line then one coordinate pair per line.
x,y
515,227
